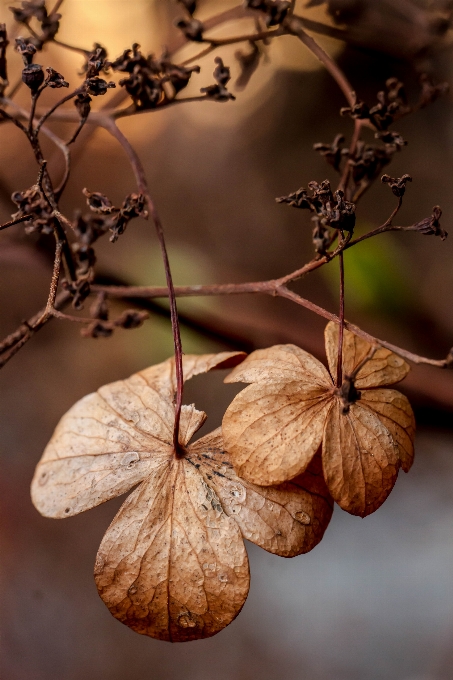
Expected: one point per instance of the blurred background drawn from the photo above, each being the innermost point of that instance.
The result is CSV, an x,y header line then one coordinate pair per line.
x,y
375,599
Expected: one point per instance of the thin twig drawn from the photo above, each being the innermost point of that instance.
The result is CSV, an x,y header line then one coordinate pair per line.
x,y
294,25
18,220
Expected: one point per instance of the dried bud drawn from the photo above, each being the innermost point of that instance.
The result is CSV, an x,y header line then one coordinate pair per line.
x,y
397,184
33,77
55,79
99,203
96,61
26,49
192,29
298,199
83,104
360,110
221,72
98,86
391,139
341,215
333,153
131,318
430,226
134,205
32,202
322,193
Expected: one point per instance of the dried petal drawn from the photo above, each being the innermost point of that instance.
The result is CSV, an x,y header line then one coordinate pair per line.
x,y
287,520
384,368
172,564
281,363
360,459
272,431
108,441
395,412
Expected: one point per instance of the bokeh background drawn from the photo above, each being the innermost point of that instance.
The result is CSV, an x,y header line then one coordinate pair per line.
x,y
375,599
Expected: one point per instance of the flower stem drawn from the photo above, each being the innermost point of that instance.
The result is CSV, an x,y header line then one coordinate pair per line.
x,y
341,329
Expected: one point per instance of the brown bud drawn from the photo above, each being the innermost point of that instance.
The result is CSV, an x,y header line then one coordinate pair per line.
x,y
33,77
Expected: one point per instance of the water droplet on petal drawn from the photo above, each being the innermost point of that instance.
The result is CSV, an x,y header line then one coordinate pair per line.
x,y
302,517
185,621
129,459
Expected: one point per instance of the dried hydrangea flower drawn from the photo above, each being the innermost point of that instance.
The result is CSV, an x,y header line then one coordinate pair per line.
x,y
172,564
275,426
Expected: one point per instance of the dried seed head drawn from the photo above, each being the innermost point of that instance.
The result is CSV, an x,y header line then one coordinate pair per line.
x,y
26,49
333,153
33,77
82,102
397,184
430,226
98,86
55,79
99,203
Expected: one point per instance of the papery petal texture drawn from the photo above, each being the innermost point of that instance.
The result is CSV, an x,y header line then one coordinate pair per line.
x,y
273,430
384,368
360,459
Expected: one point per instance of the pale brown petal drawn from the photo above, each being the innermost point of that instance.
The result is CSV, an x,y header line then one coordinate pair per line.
x,y
162,377
172,564
109,441
385,368
281,363
190,422
360,459
287,520
272,431
395,412
93,456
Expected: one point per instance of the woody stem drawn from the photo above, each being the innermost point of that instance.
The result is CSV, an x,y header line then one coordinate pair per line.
x,y
341,329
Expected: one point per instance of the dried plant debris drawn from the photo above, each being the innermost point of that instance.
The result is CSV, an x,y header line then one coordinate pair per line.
x,y
275,426
172,564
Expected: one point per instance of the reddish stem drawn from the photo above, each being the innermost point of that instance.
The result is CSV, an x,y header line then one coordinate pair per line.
x,y
341,329
142,184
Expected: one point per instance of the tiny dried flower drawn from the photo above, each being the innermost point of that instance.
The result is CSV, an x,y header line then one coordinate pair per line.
x,y
55,79
430,226
397,184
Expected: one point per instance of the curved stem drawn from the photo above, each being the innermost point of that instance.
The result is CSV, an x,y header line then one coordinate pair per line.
x,y
142,184
339,376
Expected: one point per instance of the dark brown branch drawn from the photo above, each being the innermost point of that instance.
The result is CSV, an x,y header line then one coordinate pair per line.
x,y
18,220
